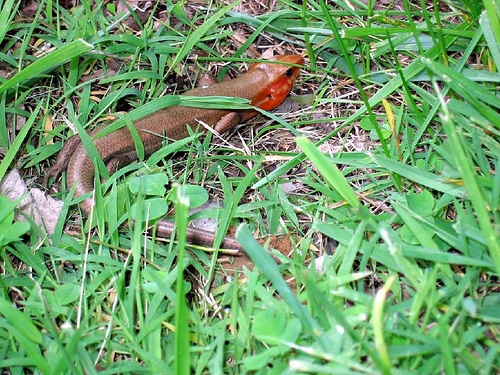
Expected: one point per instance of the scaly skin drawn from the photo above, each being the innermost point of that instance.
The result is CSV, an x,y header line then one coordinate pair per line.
x,y
265,84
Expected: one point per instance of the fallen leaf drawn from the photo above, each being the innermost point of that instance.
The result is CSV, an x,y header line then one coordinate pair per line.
x,y
42,207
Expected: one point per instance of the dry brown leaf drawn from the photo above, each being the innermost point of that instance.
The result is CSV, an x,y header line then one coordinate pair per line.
x,y
42,207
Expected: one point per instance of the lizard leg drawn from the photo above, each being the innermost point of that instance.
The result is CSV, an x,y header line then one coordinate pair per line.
x,y
228,122
206,79
63,158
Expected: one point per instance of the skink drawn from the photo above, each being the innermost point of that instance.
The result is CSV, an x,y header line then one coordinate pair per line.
x,y
266,85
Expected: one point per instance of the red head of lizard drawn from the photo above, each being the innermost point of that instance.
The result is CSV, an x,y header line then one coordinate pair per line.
x,y
281,78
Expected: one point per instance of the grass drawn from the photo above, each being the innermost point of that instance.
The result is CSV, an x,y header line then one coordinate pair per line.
x,y
382,182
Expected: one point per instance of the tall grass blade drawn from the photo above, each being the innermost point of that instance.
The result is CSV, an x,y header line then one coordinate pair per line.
x,y
182,363
47,63
16,145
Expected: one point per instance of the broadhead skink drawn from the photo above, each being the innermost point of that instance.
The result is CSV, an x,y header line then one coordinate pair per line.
x,y
266,85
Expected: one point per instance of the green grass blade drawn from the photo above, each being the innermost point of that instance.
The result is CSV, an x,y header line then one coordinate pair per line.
x,y
492,8
20,321
182,363
24,331
419,176
47,63
329,171
462,85
447,354
196,36
16,145
493,44
7,14
378,326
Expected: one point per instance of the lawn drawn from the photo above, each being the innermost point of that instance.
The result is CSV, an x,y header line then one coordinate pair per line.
x,y
367,205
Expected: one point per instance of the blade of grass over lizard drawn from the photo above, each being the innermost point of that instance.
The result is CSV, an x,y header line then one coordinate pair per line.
x,y
216,102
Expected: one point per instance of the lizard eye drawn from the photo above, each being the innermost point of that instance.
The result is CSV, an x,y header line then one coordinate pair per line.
x,y
289,72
